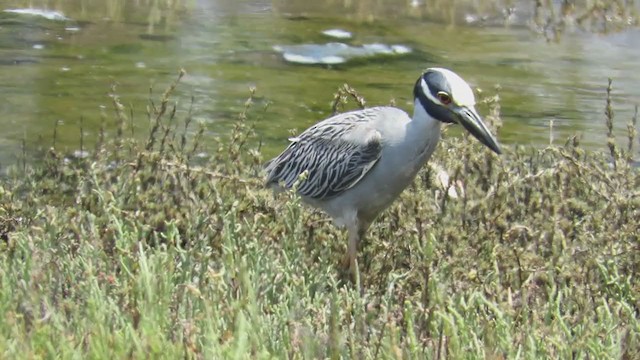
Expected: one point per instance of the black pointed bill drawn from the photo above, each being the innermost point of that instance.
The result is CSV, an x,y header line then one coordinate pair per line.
x,y
469,118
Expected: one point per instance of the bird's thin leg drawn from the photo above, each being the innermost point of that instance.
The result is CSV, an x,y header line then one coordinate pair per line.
x,y
349,262
356,234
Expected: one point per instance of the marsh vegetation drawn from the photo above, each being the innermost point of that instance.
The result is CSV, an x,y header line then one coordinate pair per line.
x,y
133,234
146,249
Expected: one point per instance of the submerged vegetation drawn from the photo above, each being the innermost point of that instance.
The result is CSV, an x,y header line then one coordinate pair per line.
x,y
149,250
548,18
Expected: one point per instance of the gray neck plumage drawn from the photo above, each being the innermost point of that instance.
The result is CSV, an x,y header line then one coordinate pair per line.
x,y
424,128
421,116
422,136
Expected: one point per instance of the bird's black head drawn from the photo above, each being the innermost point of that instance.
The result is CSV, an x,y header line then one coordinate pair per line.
x,y
446,97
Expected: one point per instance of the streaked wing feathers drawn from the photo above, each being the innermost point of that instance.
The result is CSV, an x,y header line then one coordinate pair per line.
x,y
336,154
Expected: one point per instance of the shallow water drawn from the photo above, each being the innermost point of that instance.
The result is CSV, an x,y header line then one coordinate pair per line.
x,y
61,70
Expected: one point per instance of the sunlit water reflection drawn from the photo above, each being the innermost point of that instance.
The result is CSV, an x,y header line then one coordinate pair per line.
x,y
60,71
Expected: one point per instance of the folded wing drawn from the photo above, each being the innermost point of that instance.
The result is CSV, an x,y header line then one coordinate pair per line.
x,y
335,154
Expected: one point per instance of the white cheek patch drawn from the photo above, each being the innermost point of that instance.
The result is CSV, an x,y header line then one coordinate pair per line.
x,y
427,92
461,92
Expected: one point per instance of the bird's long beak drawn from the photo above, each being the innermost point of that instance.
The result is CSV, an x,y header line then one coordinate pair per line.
x,y
469,118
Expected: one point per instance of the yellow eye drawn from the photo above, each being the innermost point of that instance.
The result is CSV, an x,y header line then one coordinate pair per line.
x,y
444,98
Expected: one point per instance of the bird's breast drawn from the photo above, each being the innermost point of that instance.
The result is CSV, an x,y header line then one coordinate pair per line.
x,y
407,145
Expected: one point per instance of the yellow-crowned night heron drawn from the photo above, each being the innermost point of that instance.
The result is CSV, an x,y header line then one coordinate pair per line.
x,y
357,163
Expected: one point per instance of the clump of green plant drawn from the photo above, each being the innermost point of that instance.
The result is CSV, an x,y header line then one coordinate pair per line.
x,y
144,249
553,18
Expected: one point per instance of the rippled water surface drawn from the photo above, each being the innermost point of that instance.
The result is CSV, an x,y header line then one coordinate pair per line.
x,y
60,69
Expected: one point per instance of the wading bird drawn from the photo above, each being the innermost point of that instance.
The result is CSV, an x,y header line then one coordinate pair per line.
x,y
355,164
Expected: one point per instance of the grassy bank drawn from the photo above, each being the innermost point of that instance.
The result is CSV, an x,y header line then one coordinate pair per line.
x,y
145,250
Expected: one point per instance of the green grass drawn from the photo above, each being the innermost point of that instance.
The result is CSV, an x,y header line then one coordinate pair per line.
x,y
145,250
